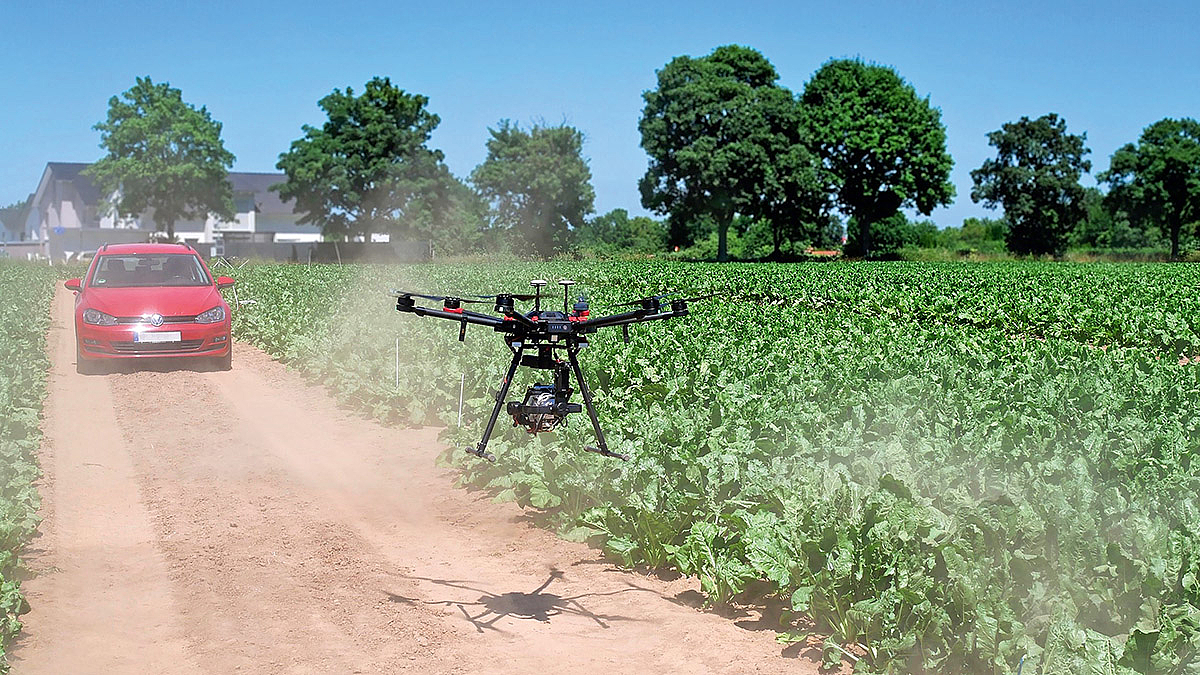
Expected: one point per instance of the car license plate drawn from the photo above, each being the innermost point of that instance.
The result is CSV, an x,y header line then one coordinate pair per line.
x,y
160,336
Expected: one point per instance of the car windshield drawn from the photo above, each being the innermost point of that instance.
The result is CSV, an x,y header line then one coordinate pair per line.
x,y
168,269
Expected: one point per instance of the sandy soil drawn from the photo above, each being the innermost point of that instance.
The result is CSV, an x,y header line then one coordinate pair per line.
x,y
220,522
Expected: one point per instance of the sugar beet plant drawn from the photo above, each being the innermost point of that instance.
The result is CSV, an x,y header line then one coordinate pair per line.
x,y
949,468
25,292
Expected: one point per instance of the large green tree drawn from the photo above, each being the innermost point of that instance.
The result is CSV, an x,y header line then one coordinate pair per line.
x,y
538,183
368,170
724,139
165,157
881,146
794,201
1156,181
1035,177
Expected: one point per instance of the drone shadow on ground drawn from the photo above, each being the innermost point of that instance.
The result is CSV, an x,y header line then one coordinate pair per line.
x,y
536,605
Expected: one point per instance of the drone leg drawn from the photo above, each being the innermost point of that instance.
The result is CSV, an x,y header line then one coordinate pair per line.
x,y
591,409
481,449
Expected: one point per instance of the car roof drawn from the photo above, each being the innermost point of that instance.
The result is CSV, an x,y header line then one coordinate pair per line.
x,y
134,249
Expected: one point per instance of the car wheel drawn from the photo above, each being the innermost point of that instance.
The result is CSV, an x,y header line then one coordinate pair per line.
x,y
225,362
86,366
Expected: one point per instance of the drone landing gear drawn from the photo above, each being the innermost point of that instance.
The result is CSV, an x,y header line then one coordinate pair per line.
x,y
544,407
591,410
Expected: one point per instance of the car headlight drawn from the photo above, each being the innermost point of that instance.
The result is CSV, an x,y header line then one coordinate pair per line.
x,y
211,316
98,318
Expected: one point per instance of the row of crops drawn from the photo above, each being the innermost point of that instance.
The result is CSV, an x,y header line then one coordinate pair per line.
x,y
25,292
949,468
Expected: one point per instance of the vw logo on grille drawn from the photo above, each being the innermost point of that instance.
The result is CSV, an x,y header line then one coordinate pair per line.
x,y
156,319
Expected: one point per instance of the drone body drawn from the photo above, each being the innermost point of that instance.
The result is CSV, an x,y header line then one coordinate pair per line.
x,y
537,340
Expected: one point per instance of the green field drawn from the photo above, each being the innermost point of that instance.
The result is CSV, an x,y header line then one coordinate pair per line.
x,y
25,292
948,467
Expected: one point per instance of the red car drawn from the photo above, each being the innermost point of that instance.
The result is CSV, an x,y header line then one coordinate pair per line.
x,y
150,301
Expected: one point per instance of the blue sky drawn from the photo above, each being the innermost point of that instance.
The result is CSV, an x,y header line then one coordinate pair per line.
x,y
1109,68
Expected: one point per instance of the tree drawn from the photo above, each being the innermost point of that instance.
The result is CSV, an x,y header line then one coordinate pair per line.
x,y
368,170
164,156
794,202
925,233
724,139
615,231
986,235
887,236
881,147
537,182
1035,177
1108,227
13,216
1157,180
458,224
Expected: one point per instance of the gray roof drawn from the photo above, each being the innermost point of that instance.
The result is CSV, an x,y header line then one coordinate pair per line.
x,y
257,184
73,172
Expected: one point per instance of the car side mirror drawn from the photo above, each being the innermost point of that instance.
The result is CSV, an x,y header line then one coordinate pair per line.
x,y
73,284
225,282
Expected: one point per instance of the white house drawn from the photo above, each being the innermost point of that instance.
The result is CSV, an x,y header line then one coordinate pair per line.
x,y
68,204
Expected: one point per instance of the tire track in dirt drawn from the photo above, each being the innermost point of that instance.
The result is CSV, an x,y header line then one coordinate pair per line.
x,y
294,537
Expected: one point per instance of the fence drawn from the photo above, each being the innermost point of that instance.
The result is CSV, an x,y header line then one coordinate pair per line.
x,y
330,252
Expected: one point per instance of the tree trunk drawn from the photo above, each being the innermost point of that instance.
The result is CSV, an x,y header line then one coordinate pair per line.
x,y
883,205
1176,224
170,230
1177,193
722,241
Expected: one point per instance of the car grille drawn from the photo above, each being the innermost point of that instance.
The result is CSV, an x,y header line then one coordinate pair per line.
x,y
157,347
181,318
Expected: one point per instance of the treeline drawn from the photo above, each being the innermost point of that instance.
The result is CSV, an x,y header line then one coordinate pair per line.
x,y
739,166
729,146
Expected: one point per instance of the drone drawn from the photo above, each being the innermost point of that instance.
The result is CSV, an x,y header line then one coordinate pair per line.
x,y
537,339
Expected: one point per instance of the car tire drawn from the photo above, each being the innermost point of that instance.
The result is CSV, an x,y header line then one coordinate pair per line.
x,y
86,366
225,362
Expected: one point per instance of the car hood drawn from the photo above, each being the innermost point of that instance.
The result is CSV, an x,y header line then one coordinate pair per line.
x,y
168,301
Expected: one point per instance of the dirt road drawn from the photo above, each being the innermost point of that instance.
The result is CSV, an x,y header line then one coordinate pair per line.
x,y
219,522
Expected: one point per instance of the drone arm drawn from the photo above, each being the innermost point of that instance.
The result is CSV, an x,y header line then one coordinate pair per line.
x,y
461,316
667,315
484,318
615,319
520,318
639,316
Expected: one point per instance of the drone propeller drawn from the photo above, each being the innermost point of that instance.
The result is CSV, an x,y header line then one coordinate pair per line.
x,y
654,300
698,297
514,296
642,301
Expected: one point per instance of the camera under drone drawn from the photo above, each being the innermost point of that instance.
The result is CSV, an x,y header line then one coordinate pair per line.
x,y
538,339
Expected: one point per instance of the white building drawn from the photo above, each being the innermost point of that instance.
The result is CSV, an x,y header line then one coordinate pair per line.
x,y
68,204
